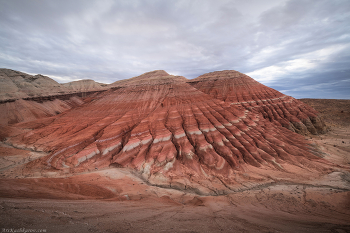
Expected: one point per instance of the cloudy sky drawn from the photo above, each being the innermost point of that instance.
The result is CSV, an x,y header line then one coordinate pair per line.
x,y
299,47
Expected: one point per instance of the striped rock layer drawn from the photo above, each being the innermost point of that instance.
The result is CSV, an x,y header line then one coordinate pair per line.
x,y
21,110
166,130
241,90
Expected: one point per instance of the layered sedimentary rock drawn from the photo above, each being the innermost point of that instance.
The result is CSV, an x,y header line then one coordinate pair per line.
x,y
241,90
168,131
12,112
25,97
17,85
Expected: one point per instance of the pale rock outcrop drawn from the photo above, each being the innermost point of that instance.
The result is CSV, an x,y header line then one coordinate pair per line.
x,y
16,85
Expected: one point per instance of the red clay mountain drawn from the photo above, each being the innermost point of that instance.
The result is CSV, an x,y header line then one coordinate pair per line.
x,y
239,89
173,134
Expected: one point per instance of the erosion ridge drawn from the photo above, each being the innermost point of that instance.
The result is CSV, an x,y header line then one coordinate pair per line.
x,y
171,133
239,89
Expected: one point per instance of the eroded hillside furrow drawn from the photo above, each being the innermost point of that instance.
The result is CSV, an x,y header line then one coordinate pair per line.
x,y
174,135
241,90
218,138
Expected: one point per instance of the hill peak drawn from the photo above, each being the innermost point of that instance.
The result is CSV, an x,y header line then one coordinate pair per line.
x,y
156,77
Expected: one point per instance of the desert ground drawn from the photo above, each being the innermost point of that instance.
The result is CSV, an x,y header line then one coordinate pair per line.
x,y
118,200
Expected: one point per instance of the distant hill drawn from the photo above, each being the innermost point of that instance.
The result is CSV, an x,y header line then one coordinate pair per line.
x,y
25,97
84,85
18,85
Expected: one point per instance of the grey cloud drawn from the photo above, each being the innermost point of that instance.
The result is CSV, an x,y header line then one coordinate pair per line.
x,y
326,89
111,40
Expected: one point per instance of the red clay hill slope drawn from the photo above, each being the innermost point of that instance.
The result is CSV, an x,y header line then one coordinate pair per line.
x,y
25,97
169,132
241,90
